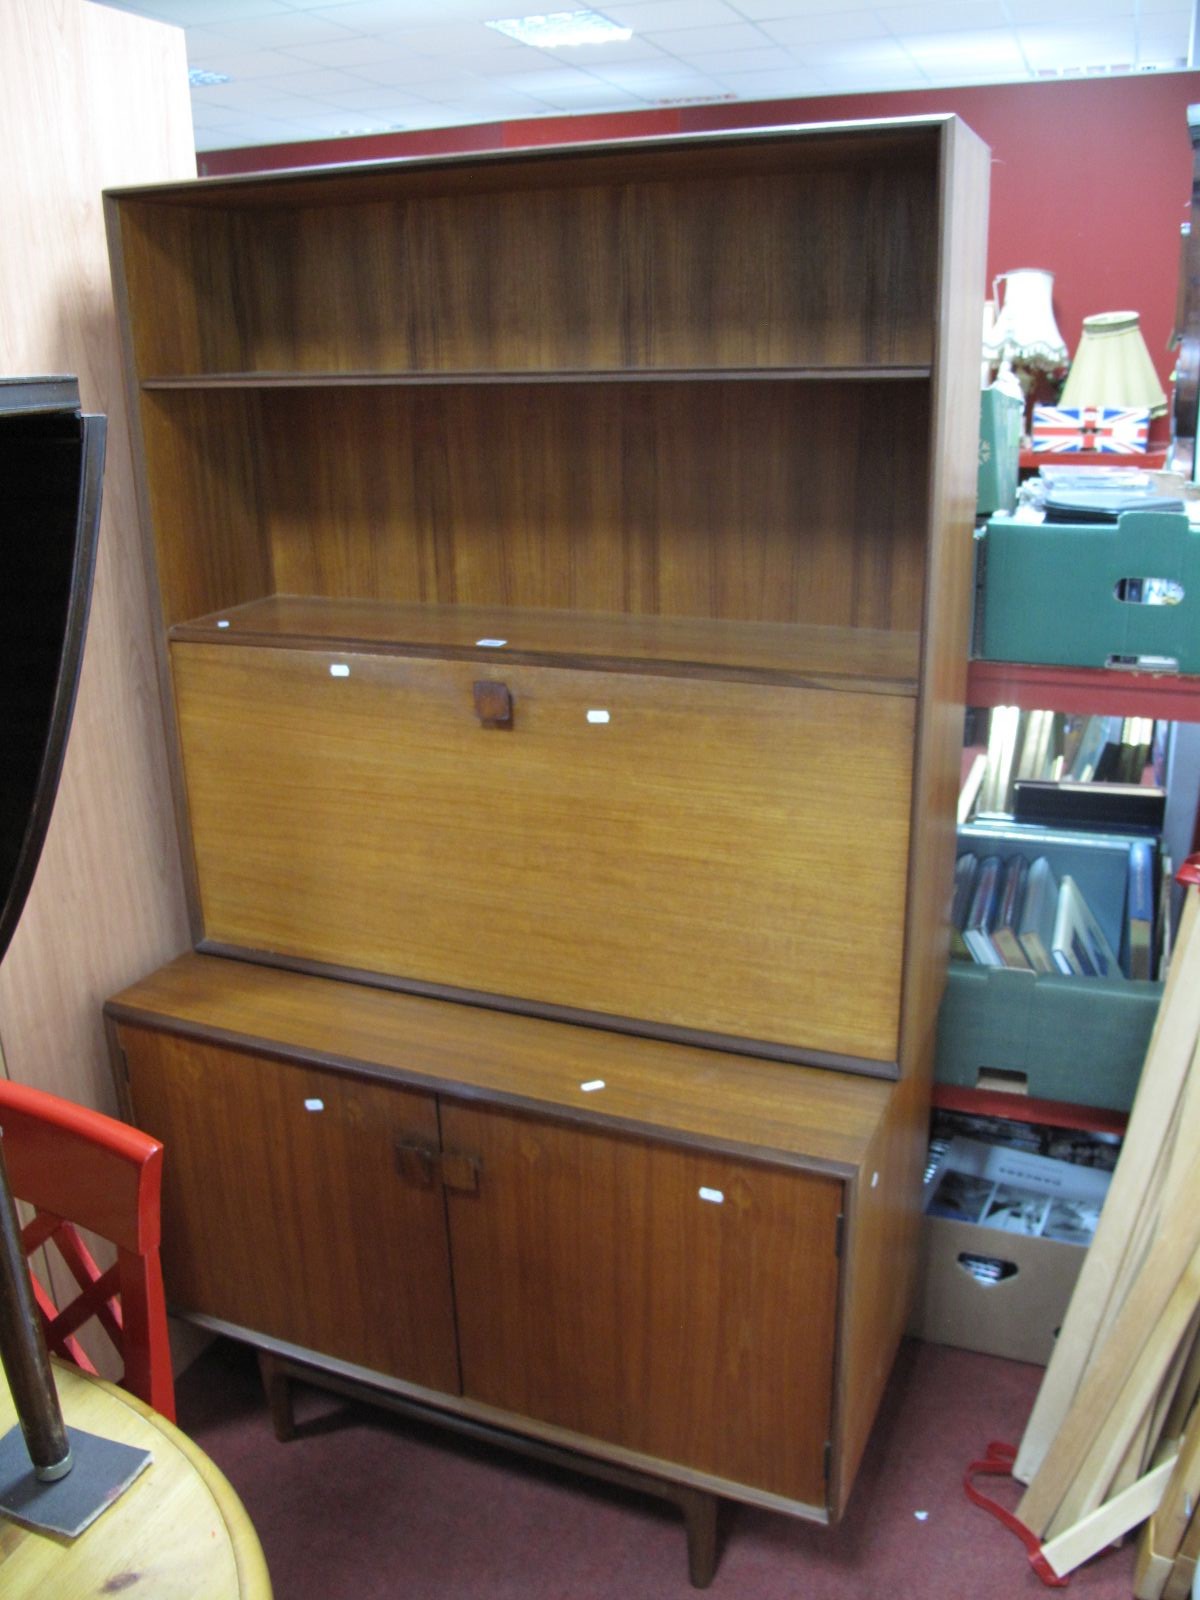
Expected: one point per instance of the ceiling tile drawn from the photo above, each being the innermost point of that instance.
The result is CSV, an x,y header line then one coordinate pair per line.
x,y
779,84
740,36
993,51
181,12
1084,12
657,16
277,32
1105,44
317,81
248,65
945,16
352,50
816,29
770,59
782,10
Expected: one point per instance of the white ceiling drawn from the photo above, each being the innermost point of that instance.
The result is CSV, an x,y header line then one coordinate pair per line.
x,y
320,69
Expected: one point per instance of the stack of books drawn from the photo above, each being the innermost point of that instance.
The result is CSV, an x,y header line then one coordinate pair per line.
x,y
1013,910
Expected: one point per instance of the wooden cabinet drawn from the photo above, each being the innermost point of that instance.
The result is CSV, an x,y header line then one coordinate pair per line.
x,y
292,1210
564,560
648,1262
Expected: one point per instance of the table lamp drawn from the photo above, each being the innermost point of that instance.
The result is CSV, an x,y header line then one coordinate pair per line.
x,y
1112,367
1024,332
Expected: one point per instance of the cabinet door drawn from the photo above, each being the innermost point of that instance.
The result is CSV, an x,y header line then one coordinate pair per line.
x,y
727,857
675,1303
296,1203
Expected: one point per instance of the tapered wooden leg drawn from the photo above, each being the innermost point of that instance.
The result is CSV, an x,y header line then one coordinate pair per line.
x,y
700,1519
279,1396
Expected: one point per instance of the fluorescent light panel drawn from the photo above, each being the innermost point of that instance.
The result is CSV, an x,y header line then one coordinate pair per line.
x,y
559,28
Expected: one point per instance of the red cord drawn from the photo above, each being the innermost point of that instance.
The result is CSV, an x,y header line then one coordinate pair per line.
x,y
998,1462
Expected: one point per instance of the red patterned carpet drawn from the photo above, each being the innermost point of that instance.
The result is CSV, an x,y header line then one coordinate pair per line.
x,y
363,1506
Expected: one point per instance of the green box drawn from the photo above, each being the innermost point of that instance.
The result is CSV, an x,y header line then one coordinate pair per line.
x,y
1000,419
1078,1039
1050,591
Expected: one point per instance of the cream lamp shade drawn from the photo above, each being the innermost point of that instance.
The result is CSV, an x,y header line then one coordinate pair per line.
x,y
1112,366
1025,331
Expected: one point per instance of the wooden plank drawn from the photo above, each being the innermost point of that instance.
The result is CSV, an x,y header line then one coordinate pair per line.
x,y
1120,1380
1168,1058
1107,1523
1180,1582
1165,1532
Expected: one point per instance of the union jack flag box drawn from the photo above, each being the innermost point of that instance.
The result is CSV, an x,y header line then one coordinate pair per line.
x,y
1108,430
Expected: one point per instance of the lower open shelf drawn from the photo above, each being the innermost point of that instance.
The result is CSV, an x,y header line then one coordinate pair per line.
x,y
871,660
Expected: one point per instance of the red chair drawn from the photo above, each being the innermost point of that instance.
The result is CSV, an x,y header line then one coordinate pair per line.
x,y
75,1166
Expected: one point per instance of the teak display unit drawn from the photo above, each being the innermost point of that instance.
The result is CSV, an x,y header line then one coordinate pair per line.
x,y
564,559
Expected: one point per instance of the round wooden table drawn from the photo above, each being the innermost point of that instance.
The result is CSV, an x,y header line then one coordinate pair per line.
x,y
177,1533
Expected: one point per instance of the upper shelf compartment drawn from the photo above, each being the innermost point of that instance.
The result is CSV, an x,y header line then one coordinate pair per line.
x,y
741,253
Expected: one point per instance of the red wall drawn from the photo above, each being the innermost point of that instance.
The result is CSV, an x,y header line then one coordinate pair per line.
x,y
1091,178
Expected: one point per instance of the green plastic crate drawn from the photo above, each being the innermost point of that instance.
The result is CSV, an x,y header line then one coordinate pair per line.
x,y
1078,1039
1000,420
1049,591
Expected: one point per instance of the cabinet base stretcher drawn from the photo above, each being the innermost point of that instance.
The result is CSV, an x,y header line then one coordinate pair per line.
x,y
698,1506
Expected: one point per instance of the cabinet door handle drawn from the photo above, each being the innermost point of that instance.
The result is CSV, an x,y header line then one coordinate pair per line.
x,y
417,1165
493,704
460,1172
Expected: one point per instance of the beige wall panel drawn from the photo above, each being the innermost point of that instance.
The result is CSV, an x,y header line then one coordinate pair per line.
x,y
92,97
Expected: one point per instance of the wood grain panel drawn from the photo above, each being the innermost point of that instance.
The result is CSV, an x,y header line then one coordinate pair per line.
x,y
203,476
945,629
597,1290
658,261
284,1209
888,1218
800,1115
738,500
627,868
92,96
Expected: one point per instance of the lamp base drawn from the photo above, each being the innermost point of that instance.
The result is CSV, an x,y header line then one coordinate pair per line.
x,y
103,1469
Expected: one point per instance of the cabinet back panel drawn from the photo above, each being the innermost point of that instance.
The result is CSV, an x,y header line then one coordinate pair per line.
x,y
204,479
599,1291
292,1220
796,265
738,500
717,856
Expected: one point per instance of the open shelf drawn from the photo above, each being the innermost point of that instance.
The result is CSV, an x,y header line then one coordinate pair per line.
x,y
533,375
864,659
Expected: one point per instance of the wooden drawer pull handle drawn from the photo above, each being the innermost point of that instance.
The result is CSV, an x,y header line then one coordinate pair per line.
x,y
417,1165
460,1172
493,704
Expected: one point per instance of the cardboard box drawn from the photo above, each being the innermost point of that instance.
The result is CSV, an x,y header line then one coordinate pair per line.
x,y
1018,1316
1003,1289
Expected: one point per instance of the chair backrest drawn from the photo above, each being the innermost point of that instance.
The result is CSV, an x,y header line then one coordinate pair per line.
x,y
78,1168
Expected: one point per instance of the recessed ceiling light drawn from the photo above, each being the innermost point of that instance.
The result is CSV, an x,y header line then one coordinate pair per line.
x,y
562,28
200,78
